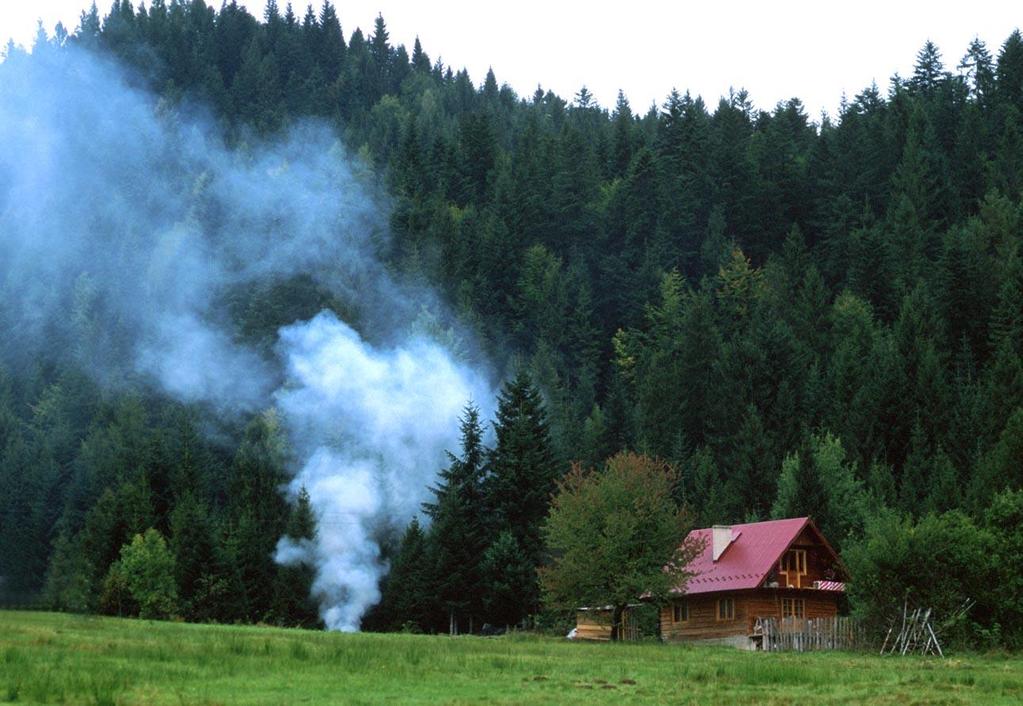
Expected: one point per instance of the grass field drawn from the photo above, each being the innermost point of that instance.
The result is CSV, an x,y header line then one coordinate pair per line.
x,y
51,658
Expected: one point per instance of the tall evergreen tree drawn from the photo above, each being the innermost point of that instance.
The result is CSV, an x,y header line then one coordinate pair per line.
x,y
928,71
523,473
258,512
294,603
330,45
1009,70
457,537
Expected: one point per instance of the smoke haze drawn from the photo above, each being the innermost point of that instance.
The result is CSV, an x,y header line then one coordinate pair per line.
x,y
127,228
377,424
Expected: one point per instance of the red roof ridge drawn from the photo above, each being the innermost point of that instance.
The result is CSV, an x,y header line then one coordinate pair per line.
x,y
741,526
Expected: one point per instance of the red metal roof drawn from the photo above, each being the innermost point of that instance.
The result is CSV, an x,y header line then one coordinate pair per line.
x,y
753,552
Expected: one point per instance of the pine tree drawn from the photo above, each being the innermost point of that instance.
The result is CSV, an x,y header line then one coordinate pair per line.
x,y
1007,161
407,599
523,472
928,71
192,544
293,600
330,41
477,158
256,89
457,537
69,578
801,490
1009,70
420,59
622,142
490,89
683,345
510,585
569,217
1006,325
818,481
1001,468
923,179
977,69
258,511
381,54
89,27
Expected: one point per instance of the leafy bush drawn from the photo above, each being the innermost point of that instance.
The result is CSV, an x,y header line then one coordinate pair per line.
x,y
940,562
148,569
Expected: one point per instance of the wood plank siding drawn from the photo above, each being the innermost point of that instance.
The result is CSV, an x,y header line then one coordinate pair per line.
x,y
705,621
596,625
806,561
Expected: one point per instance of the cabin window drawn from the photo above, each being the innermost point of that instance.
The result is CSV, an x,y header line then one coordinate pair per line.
x,y
726,609
680,612
793,608
793,566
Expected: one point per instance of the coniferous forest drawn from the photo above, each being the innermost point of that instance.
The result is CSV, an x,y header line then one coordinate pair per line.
x,y
803,316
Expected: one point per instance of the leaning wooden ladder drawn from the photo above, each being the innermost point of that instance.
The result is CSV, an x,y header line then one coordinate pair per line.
x,y
916,634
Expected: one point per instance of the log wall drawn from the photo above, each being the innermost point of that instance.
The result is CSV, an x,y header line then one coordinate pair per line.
x,y
703,623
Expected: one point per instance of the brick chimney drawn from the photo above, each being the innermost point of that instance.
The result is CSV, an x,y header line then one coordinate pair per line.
x,y
722,537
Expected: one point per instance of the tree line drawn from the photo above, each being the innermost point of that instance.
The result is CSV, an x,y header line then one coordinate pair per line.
x,y
801,316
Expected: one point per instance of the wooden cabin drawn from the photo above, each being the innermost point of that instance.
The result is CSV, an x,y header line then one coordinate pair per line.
x,y
779,569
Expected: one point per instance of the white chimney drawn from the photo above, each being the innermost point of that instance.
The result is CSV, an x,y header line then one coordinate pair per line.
x,y
722,537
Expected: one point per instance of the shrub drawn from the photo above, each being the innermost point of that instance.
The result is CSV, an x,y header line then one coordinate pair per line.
x,y
148,569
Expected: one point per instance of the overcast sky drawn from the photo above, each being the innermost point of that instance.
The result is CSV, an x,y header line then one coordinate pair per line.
x,y
776,50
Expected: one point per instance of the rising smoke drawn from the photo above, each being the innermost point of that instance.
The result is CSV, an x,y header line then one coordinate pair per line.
x,y
126,225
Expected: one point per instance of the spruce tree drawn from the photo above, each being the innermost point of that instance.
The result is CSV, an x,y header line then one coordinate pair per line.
x,y
408,600
928,71
293,600
192,544
1009,70
978,70
523,474
330,47
511,591
258,511
457,537
420,59
622,145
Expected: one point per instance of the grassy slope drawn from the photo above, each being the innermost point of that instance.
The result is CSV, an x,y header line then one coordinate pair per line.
x,y
49,658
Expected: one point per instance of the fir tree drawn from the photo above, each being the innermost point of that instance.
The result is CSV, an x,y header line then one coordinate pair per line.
x,y
928,71
294,603
1009,70
523,473
457,537
331,42
408,601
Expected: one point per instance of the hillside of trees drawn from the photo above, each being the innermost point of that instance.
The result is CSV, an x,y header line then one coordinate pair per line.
x,y
802,316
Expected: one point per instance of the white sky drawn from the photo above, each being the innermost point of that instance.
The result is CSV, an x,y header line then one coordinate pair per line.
x,y
812,50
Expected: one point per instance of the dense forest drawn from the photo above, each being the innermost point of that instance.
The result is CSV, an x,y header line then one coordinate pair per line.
x,y
802,317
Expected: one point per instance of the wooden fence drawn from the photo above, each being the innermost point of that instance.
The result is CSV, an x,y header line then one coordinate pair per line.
x,y
805,635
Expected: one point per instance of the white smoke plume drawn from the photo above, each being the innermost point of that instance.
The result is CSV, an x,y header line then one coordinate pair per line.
x,y
126,229
379,422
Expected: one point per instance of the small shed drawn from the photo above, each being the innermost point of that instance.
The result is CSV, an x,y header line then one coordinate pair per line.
x,y
595,624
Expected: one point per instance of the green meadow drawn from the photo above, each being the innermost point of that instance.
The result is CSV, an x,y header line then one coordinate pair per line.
x,y
56,658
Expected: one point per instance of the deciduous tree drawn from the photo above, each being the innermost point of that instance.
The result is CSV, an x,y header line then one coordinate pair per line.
x,y
616,536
